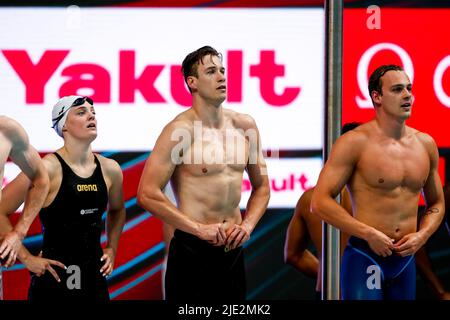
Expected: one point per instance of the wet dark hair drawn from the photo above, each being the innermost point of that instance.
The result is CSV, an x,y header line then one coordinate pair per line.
x,y
190,63
375,77
349,126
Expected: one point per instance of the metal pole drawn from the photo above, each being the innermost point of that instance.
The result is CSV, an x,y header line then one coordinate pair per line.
x,y
333,106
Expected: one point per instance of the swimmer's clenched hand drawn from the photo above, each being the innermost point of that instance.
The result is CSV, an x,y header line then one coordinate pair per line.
x,y
380,243
409,244
213,233
237,236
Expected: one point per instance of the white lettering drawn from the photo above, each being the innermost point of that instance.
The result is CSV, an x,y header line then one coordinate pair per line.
x,y
437,81
363,67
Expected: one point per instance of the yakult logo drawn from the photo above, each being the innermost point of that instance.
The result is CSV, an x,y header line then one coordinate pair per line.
x,y
293,182
97,78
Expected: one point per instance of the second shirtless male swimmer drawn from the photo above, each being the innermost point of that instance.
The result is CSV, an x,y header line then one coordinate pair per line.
x,y
385,165
204,152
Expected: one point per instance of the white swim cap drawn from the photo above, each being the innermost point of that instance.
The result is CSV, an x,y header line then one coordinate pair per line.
x,y
60,112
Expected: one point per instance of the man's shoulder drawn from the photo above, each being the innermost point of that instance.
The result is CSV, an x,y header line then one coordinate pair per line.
x,y
184,120
240,120
358,135
352,143
424,138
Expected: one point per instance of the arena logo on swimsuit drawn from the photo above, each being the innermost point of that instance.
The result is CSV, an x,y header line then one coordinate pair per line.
x,y
35,77
86,187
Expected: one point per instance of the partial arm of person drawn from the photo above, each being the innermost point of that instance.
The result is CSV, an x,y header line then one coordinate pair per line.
x,y
332,179
346,203
259,197
297,238
39,265
35,264
29,161
427,273
158,169
115,218
168,230
13,196
37,191
434,197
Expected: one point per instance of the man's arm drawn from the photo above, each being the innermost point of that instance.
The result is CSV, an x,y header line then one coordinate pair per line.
x,y
433,194
29,161
346,203
13,195
434,197
159,167
259,197
35,264
333,177
115,219
297,238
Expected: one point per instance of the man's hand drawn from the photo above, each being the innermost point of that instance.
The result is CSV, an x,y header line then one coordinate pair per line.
x,y
409,244
108,259
213,233
237,235
10,248
380,243
38,265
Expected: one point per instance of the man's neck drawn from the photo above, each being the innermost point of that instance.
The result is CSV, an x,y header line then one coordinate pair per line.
x,y
210,115
393,128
